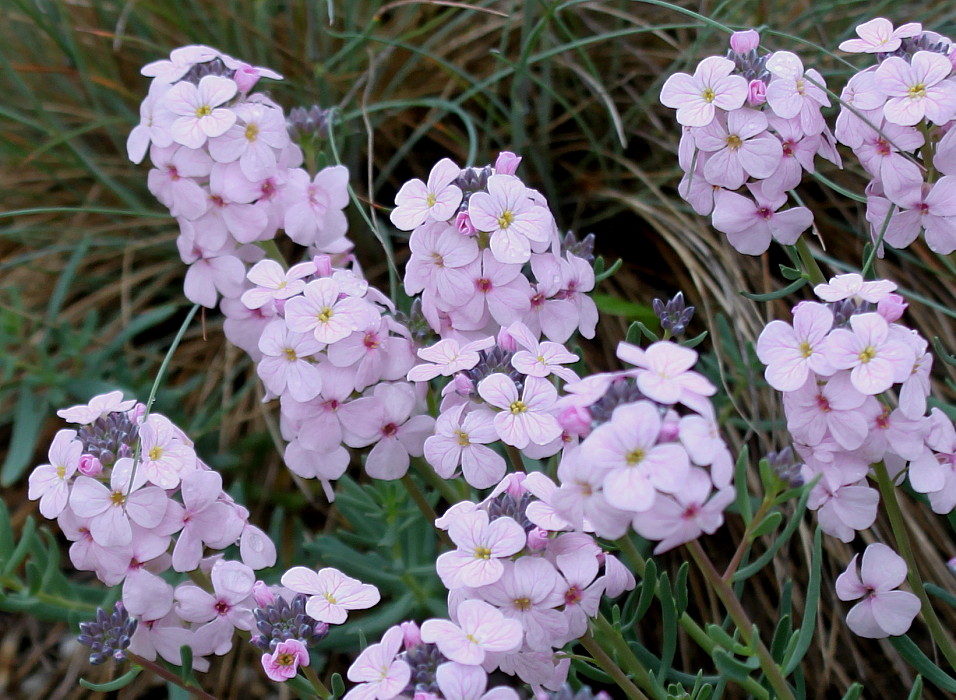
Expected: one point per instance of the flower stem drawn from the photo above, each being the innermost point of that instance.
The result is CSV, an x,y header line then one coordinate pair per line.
x,y
169,676
611,668
317,684
905,548
810,266
426,471
739,616
430,515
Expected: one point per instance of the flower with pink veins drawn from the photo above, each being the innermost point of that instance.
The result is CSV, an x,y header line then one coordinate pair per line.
x,y
853,286
701,437
929,206
479,628
153,127
164,455
582,593
313,207
792,352
750,224
197,107
934,472
373,353
286,362
461,439
381,676
540,359
665,374
844,504
637,464
528,591
482,544
283,663
331,593
438,199
916,387
110,510
876,359
447,357
206,520
798,152
226,609
275,283
99,406
525,420
507,212
917,88
861,106
738,148
881,152
254,141
459,682
211,272
684,516
439,256
326,312
696,98
164,636
384,419
180,61
884,611
497,288
172,180
51,482
793,93
110,564
231,212
878,36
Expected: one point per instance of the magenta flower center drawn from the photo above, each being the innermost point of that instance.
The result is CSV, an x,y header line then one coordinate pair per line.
x,y
222,607
765,213
573,596
483,285
822,403
389,430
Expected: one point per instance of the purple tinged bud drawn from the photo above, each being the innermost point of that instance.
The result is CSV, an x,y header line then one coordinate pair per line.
x,y
742,42
246,77
507,163
323,265
412,635
262,594
891,307
756,93
464,225
515,485
537,539
506,341
89,465
575,420
463,384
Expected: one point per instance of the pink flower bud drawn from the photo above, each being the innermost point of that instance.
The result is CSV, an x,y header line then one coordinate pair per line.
x,y
507,163
576,420
756,93
537,539
464,225
411,634
744,42
262,594
323,265
463,385
246,77
891,307
89,465
139,410
670,428
424,695
280,306
506,341
514,485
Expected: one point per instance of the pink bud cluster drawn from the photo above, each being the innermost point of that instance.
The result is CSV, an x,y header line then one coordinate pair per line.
x,y
749,121
122,513
898,118
855,385
224,165
473,232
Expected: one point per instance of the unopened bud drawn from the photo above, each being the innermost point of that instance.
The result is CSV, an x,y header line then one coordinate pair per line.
x,y
743,42
507,163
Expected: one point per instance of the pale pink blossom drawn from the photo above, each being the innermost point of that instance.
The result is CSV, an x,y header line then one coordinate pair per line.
x,y
739,147
283,663
287,362
793,93
254,141
845,505
479,628
792,352
875,358
446,357
204,518
99,406
50,483
438,199
380,674
331,593
522,420
853,286
883,612
482,544
745,41
172,180
461,439
460,682
834,406
439,256
273,282
540,359
180,61
750,225
323,310
665,374
508,213
696,98
924,206
153,127
165,456
227,608
198,109
879,36
374,353
313,207
917,88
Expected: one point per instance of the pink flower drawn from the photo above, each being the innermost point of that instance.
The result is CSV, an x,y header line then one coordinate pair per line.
x,y
664,374
791,353
540,359
180,61
925,206
153,127
884,612
480,628
793,93
253,142
285,363
99,407
845,505
461,439
878,36
525,420
165,456
273,282
313,208
750,225
51,482
437,199
446,357
227,608
283,663
876,359
460,682
742,42
697,98
331,593
739,148
381,675
172,179
439,256
205,519
853,286
481,547
515,222
834,406
200,116
917,88
324,310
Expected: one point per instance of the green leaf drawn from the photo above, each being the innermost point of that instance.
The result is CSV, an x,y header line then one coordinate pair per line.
x,y
23,546
680,588
720,635
338,685
601,276
740,483
595,674
808,625
728,666
918,660
7,543
779,294
28,418
791,273
633,333
648,588
768,524
931,588
669,626
781,638
695,341
916,692
784,537
186,663
115,684
853,692
616,306
941,352
301,687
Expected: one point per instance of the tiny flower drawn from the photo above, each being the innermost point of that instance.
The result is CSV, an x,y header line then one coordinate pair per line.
x,y
322,310
878,36
515,222
697,98
332,593
98,407
480,628
381,675
791,353
50,483
437,199
481,546
853,286
283,663
200,116
876,359
525,420
883,612
917,88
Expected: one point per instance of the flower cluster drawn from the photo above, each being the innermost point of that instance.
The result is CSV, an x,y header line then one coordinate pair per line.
x,y
897,116
751,121
122,512
855,384
486,253
225,166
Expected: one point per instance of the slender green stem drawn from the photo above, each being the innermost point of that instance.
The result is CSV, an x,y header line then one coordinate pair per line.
x,y
905,548
810,266
739,616
745,539
423,505
169,676
273,252
428,474
317,684
515,456
611,668
11,584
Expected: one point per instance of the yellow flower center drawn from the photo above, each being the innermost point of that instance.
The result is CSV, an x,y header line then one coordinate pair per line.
x,y
805,349
517,407
506,219
324,315
708,95
252,131
801,86
867,354
734,142
290,354
117,498
285,659
204,111
155,453
522,604
61,471
918,91
329,597
482,553
430,200
634,457
463,440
